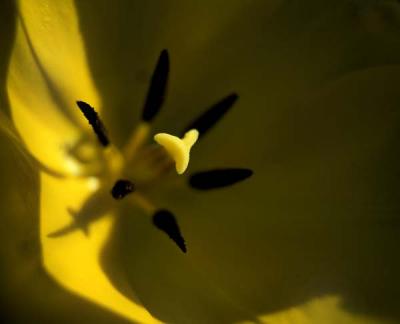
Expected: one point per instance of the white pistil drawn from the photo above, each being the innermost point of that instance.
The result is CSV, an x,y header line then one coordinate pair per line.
x,y
178,149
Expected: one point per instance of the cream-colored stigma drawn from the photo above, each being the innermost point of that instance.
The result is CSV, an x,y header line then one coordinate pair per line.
x,y
178,149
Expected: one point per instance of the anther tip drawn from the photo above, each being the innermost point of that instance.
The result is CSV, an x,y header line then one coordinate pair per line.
x,y
82,104
157,89
165,221
122,188
234,96
230,99
94,120
214,114
164,53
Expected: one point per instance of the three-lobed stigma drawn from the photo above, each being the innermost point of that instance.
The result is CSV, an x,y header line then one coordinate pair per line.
x,y
178,149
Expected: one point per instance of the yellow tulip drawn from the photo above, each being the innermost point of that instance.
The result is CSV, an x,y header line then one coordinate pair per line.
x,y
311,237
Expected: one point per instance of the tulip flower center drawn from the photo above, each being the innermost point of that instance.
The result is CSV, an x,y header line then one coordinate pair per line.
x,y
109,171
127,174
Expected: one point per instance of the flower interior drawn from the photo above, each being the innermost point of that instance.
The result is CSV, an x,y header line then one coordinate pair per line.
x,y
124,174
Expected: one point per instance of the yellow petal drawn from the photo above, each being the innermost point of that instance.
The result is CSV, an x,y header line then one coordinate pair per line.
x,y
31,294
74,259
48,72
327,310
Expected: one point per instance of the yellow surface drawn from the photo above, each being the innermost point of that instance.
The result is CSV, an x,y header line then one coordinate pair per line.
x,y
178,149
73,259
48,73
326,310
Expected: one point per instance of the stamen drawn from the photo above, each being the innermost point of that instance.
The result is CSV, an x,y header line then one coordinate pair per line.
x,y
165,221
94,120
122,188
142,202
156,94
179,149
136,141
218,178
211,116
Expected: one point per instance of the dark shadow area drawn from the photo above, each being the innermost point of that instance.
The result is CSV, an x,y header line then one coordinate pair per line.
x,y
319,100
92,209
7,33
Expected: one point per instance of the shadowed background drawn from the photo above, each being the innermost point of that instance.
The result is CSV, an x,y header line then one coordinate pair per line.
x,y
317,121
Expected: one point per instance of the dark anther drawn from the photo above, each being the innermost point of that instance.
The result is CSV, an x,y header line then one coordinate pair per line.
x,y
156,94
211,116
218,178
94,120
166,222
122,188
